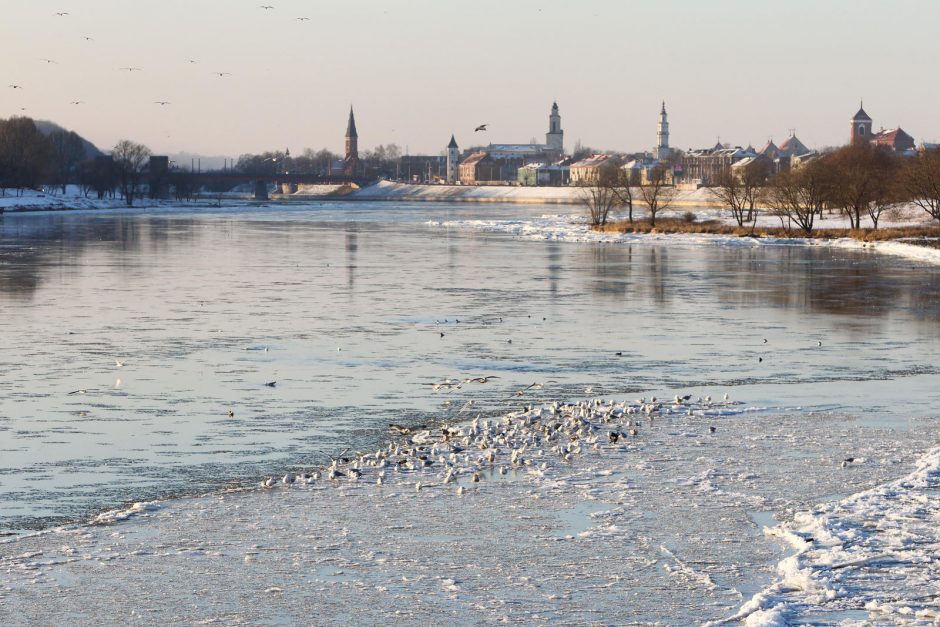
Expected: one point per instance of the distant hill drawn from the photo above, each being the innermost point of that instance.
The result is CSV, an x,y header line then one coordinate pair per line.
x,y
46,128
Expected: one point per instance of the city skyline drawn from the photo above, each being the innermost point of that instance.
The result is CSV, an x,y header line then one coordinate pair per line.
x,y
239,78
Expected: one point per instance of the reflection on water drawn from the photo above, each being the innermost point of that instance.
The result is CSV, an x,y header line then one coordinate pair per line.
x,y
354,309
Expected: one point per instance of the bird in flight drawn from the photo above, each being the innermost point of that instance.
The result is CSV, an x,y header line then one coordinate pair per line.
x,y
16,87
62,13
191,60
161,102
118,363
131,69
303,19
485,379
77,102
222,73
482,127
87,38
47,60
266,6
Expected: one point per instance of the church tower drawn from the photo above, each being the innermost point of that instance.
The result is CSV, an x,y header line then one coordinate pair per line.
x,y
555,137
861,127
662,135
351,162
453,157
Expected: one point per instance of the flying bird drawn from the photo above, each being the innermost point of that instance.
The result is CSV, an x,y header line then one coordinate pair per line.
x,y
266,6
222,73
47,60
77,102
303,19
86,38
131,69
62,13
161,102
191,60
482,127
16,87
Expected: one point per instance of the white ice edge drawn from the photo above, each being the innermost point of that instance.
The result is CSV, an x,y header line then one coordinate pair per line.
x,y
892,527
567,228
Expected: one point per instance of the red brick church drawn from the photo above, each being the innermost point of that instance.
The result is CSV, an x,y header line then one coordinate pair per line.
x,y
895,139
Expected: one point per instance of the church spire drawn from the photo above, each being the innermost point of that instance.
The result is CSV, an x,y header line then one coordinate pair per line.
x,y
351,127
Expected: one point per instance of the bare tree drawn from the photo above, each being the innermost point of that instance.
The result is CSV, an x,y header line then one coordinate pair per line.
x,y
600,193
858,181
24,154
921,181
130,159
741,189
798,195
658,193
67,152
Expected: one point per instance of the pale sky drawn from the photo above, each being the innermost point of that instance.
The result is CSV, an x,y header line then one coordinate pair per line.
x,y
417,70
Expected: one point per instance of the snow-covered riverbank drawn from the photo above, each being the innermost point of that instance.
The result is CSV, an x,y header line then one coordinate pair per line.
x,y
575,228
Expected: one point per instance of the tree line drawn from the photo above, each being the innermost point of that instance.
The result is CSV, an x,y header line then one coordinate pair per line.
x,y
860,182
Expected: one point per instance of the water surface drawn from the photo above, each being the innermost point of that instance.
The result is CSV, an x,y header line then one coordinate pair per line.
x,y
344,306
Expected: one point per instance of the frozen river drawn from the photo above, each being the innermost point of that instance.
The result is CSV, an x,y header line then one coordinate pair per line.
x,y
130,337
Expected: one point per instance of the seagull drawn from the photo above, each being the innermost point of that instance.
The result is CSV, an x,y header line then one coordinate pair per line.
x,y
485,379
266,6
818,343
191,60
86,38
222,73
15,86
77,102
765,340
303,19
118,363
62,13
47,60
131,69
78,392
482,127
161,102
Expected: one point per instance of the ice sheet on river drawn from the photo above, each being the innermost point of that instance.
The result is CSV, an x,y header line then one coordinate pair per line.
x,y
597,512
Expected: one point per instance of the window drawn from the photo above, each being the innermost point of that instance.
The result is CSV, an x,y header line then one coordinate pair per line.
x,y
861,130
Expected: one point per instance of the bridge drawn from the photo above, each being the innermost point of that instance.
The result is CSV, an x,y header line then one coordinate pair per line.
x,y
262,181
160,177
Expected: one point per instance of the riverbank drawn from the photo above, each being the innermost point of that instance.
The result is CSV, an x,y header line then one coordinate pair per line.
x,y
391,191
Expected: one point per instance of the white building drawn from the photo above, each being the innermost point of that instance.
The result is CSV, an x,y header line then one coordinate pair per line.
x,y
662,136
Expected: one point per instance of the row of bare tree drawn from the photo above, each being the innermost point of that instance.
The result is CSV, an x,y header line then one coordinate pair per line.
x,y
30,159
613,187
856,181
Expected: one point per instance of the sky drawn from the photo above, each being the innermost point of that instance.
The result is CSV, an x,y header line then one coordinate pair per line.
x,y
738,71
